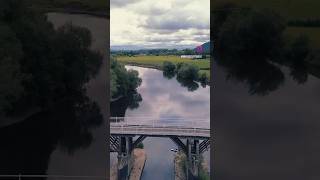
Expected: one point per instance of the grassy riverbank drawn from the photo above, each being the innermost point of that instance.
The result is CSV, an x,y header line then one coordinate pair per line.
x,y
157,61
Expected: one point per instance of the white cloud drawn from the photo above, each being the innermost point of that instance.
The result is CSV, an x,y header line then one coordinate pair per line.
x,y
162,24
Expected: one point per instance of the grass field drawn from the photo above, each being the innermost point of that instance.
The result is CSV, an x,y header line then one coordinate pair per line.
x,y
291,9
157,61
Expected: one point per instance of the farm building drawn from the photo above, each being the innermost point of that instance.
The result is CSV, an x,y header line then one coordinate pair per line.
x,y
192,56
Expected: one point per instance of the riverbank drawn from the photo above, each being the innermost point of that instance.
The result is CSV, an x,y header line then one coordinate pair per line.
x,y
156,62
202,64
96,8
139,160
179,168
138,164
99,14
158,68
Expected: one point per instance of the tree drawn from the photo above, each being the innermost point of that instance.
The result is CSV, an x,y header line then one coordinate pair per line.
x,y
123,82
168,66
187,72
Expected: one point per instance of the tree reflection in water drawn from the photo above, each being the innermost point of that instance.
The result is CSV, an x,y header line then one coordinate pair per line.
x,y
189,84
250,45
26,146
132,101
168,75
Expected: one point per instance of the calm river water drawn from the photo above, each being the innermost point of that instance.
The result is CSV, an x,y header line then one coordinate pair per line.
x,y
267,124
161,98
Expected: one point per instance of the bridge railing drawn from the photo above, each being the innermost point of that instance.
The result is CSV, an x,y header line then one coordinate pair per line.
x,y
160,126
161,122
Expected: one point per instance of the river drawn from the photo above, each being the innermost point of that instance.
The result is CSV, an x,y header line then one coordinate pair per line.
x,y
266,120
164,98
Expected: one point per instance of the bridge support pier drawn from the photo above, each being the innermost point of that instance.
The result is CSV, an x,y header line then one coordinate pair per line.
x,y
124,157
193,159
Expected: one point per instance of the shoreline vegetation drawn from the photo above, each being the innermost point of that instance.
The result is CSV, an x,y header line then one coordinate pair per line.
x,y
156,62
123,82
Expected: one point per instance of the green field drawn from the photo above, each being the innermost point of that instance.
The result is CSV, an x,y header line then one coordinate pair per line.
x,y
291,9
157,61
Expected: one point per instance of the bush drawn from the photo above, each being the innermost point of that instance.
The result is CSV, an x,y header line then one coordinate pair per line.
x,y
187,72
140,146
168,67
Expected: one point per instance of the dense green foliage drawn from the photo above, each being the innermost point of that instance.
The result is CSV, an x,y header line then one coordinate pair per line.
x,y
168,67
40,65
123,82
187,71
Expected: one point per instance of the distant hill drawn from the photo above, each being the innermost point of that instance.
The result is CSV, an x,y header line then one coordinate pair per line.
x,y
206,47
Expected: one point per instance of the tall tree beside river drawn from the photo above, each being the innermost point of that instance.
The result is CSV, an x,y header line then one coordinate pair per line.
x,y
123,82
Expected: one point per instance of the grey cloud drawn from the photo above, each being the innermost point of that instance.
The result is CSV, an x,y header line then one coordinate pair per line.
x,y
174,23
154,11
121,3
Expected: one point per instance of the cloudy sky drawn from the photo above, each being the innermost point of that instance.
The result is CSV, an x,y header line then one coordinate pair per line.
x,y
159,24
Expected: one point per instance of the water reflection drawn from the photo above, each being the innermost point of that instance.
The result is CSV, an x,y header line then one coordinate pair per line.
x,y
118,108
168,75
164,98
190,85
26,146
260,74
266,116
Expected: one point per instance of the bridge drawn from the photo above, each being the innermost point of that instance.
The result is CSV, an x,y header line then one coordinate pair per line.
x,y
192,136
160,127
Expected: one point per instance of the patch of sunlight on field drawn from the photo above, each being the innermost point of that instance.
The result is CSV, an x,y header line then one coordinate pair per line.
x,y
312,33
